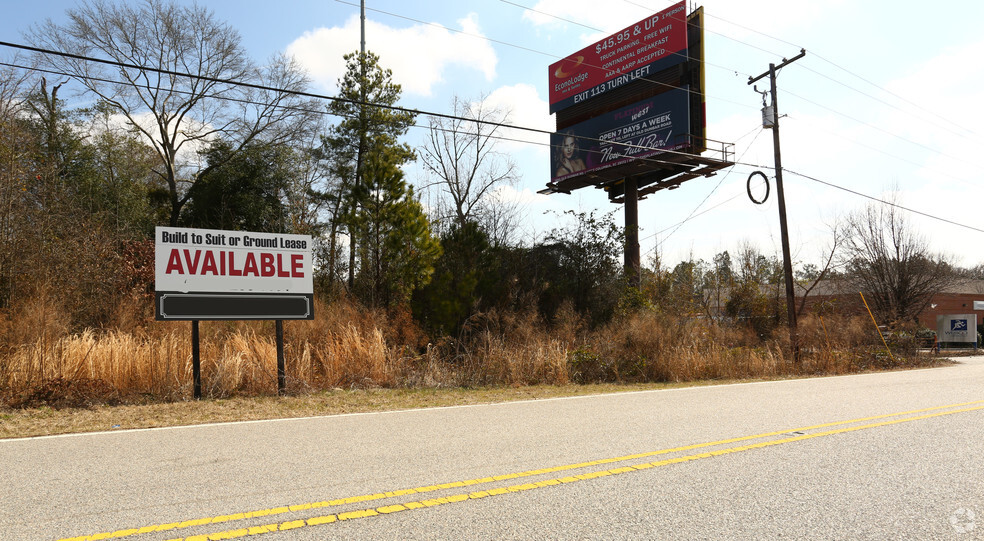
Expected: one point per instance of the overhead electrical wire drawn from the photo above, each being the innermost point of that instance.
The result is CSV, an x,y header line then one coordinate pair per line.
x,y
882,201
845,115
442,27
845,70
709,97
878,150
877,128
693,214
832,63
738,162
946,122
418,112
724,177
543,53
309,95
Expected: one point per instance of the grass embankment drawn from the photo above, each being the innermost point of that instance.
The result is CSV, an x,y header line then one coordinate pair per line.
x,y
352,360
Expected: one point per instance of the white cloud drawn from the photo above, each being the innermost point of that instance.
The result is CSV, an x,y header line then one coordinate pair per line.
x,y
527,109
189,153
419,56
526,196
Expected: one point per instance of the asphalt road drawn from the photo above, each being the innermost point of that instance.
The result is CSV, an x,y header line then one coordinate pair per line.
x,y
878,456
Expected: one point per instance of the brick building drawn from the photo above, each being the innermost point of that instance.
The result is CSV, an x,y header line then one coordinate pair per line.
x,y
965,297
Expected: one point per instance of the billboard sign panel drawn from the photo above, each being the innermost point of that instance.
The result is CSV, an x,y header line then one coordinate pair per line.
x,y
637,131
957,328
214,274
652,44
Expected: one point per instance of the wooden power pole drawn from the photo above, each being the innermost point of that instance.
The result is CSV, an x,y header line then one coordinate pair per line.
x,y
787,264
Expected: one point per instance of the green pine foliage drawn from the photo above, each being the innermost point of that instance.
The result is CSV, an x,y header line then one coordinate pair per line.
x,y
397,250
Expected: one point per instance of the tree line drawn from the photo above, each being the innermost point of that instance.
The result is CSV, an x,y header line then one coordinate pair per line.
x,y
237,146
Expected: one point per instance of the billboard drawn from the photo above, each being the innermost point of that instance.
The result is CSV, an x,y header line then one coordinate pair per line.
x,y
640,50
698,106
640,130
213,274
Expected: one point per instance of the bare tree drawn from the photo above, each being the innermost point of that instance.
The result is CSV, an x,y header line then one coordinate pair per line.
x,y
811,275
16,145
173,111
462,155
892,264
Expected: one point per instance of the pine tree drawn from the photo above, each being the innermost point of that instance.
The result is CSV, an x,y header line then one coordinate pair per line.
x,y
368,125
392,250
397,250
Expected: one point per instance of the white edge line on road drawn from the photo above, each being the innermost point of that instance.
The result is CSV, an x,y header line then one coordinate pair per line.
x,y
462,406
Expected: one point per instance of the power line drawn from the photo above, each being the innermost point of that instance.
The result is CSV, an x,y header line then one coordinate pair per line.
x,y
520,47
676,226
589,27
758,131
417,112
738,162
889,203
875,149
946,125
442,27
872,126
887,104
311,95
832,63
694,213
845,115
912,103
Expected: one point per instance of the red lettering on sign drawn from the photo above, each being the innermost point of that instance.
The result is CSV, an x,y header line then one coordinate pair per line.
x,y
282,272
174,262
250,267
223,263
266,265
233,271
209,264
297,265
192,264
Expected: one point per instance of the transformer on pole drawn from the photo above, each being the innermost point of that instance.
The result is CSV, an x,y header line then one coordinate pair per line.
x,y
770,119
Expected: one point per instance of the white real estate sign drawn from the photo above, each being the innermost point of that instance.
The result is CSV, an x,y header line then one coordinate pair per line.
x,y
213,274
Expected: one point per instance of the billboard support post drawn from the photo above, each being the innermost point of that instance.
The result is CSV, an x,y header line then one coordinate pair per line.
x,y
632,259
787,265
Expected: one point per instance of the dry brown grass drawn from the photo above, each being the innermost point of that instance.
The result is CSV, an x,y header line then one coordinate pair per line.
x,y
649,346
348,347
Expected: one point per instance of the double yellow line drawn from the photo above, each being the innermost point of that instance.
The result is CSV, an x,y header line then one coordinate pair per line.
x,y
799,435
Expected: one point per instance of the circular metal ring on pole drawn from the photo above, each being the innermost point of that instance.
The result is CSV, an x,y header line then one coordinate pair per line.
x,y
748,186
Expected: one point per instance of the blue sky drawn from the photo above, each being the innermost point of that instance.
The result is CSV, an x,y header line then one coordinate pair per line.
x,y
888,101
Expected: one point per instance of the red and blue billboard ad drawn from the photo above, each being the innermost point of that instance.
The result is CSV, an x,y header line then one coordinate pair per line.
x,y
654,43
638,131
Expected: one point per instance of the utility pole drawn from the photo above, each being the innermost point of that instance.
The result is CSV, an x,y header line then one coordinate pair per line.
x,y
362,19
787,264
362,137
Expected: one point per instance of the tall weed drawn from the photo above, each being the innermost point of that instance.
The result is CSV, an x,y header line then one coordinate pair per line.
x,y
349,346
